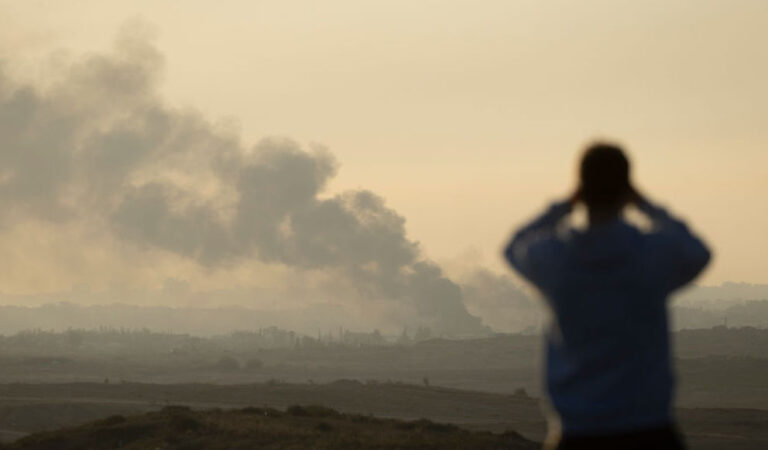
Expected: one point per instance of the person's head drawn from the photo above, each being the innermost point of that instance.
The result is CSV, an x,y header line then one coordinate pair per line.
x,y
604,177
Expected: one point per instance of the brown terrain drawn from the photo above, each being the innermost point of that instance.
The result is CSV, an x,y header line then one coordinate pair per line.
x,y
36,407
298,427
487,385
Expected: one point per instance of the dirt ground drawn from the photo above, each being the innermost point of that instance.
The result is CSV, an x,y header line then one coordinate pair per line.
x,y
31,407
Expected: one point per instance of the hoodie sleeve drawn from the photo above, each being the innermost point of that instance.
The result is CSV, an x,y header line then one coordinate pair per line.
x,y
532,251
677,253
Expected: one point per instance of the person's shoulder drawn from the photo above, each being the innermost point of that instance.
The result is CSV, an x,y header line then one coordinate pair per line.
x,y
656,238
551,244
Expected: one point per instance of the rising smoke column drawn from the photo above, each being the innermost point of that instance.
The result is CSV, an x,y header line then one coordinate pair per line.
x,y
99,144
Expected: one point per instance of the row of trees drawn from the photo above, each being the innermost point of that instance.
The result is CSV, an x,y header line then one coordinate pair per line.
x,y
144,340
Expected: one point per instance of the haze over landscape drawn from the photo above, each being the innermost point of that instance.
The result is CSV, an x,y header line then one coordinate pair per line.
x,y
180,117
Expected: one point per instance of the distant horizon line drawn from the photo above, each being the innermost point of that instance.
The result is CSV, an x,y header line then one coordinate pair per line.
x,y
76,289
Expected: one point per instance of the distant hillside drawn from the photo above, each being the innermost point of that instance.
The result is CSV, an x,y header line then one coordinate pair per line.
x,y
687,314
197,321
721,296
315,427
751,313
497,299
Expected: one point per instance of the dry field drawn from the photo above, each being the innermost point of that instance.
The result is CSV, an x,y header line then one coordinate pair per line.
x,y
35,407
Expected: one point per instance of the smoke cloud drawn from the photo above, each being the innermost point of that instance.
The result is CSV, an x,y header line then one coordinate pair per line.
x,y
501,303
99,144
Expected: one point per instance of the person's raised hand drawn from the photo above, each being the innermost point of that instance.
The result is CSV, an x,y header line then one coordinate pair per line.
x,y
634,197
575,196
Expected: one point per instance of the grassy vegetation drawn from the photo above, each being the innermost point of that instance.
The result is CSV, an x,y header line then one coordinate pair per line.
x,y
297,427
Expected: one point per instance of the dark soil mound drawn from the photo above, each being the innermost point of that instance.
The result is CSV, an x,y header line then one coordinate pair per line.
x,y
298,427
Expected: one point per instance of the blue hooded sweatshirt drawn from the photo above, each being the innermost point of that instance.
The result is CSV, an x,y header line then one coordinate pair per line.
x,y
608,363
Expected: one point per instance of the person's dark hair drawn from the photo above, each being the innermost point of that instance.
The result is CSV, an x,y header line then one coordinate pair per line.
x,y
604,174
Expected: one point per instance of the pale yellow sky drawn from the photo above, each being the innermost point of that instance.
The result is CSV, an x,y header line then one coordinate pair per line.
x,y
467,116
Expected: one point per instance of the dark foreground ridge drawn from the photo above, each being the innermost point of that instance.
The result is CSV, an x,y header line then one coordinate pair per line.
x,y
298,427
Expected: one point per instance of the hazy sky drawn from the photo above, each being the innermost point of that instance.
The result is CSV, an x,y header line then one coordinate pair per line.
x,y
465,116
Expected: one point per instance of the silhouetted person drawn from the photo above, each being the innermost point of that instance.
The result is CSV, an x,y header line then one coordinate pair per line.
x,y
608,365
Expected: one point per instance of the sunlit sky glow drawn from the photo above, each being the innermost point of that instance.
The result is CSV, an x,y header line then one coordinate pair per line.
x,y
467,117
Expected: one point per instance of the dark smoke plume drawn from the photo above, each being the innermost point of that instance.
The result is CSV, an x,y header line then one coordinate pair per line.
x,y
98,144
